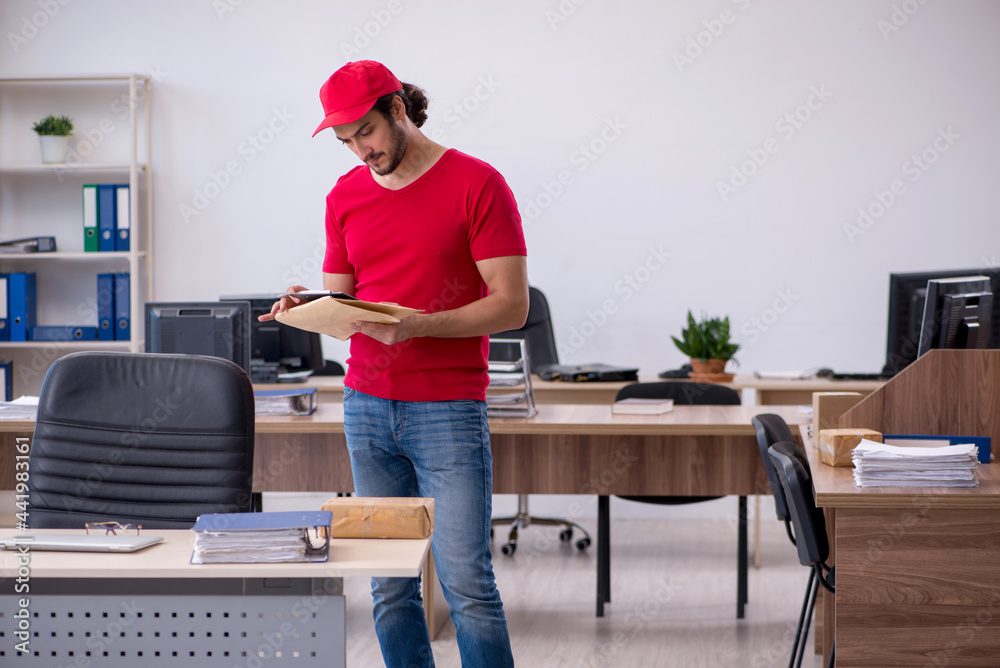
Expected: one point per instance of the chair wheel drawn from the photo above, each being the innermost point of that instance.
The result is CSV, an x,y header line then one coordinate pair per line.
x,y
583,544
566,535
509,549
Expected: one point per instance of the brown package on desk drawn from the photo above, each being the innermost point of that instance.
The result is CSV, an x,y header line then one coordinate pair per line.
x,y
836,445
380,517
829,406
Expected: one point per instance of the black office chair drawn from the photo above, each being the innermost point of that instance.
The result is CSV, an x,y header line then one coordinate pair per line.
x,y
772,429
146,439
685,393
541,342
808,521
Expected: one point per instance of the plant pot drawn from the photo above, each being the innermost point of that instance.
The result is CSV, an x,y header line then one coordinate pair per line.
x,y
709,371
53,148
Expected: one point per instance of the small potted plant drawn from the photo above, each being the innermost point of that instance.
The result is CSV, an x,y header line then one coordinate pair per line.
x,y
707,343
54,132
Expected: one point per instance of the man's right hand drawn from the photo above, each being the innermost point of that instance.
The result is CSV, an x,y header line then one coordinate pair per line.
x,y
283,304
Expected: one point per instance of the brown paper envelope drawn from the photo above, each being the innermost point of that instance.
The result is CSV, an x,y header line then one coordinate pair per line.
x,y
332,316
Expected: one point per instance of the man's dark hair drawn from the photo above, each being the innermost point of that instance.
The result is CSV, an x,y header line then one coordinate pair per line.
x,y
414,99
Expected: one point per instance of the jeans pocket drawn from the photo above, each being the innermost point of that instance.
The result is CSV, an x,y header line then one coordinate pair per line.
x,y
349,392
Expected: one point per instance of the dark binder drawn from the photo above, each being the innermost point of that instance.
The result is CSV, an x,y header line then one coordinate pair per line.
x,y
105,217
6,381
67,333
106,307
21,304
123,331
585,373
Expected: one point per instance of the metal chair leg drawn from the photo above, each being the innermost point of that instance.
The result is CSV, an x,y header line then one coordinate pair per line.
x,y
805,620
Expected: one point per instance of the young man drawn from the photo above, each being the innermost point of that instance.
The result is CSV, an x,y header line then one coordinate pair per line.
x,y
434,229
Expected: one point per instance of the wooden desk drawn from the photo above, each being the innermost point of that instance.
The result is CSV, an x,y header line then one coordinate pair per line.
x,y
917,576
770,392
565,449
155,607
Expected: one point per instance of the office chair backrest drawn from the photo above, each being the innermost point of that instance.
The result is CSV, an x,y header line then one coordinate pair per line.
x,y
808,520
537,331
682,392
771,429
154,440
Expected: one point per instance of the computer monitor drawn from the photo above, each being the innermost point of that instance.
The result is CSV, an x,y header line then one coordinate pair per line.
x,y
907,295
278,352
218,329
956,313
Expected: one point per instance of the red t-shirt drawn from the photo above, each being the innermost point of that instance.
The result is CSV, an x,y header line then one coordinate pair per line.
x,y
417,246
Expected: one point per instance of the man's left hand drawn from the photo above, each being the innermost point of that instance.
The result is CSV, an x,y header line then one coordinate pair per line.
x,y
389,334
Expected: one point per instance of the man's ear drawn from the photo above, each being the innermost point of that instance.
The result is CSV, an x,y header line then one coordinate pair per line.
x,y
398,108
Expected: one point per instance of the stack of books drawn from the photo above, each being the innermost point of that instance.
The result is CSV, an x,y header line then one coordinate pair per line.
x,y
880,465
226,538
642,406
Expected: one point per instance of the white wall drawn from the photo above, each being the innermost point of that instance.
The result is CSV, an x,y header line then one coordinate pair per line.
x,y
526,85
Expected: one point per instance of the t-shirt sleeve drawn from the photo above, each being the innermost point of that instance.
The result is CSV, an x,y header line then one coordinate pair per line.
x,y
495,224
335,260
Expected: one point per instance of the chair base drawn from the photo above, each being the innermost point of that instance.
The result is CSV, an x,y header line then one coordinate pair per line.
x,y
523,520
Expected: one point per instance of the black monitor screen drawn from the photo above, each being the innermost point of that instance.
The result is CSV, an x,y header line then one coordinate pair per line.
x,y
907,294
218,329
277,351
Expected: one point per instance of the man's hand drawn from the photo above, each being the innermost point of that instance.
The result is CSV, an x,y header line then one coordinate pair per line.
x,y
391,333
284,304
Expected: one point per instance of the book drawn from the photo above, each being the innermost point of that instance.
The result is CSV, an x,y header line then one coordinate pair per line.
x,y
298,401
642,406
270,537
326,313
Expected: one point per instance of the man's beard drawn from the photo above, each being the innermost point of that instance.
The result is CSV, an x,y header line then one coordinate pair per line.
x,y
398,144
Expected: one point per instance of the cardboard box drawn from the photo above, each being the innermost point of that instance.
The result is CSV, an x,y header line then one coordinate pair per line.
x,y
380,517
829,406
836,445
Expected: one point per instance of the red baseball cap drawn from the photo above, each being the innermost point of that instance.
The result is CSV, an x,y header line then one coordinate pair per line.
x,y
353,90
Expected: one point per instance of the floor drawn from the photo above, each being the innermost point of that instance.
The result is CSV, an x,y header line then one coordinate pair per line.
x,y
673,601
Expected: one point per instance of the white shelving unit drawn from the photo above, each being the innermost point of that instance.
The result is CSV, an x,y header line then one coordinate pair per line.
x,y
111,143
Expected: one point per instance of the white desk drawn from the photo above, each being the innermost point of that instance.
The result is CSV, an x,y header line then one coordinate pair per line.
x,y
155,607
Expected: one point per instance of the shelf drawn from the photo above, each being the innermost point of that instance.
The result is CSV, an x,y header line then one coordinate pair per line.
x,y
82,167
75,78
68,345
106,256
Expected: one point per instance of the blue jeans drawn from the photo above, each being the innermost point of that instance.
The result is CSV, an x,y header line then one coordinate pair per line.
x,y
437,449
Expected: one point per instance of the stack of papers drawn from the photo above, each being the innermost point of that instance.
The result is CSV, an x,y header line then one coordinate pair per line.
x,y
222,538
879,465
300,401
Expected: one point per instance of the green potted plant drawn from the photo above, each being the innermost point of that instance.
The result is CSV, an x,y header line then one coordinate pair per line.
x,y
54,132
707,343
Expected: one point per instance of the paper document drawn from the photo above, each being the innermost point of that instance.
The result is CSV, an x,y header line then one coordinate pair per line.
x,y
881,465
333,315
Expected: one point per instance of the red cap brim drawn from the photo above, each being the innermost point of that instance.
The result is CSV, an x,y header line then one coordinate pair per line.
x,y
344,116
